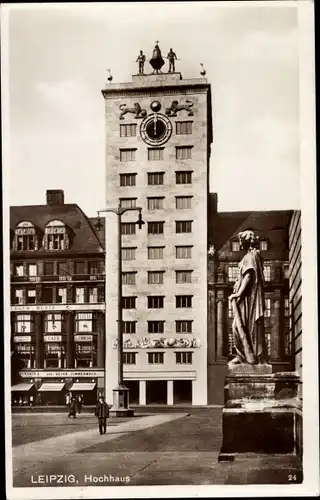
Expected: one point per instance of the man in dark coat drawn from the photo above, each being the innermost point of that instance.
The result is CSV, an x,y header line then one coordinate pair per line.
x,y
102,412
72,408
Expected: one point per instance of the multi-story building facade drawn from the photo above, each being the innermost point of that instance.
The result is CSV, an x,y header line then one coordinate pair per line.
x,y
57,301
158,136
272,227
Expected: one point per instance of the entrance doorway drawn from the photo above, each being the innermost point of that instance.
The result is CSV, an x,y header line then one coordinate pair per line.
x,y
156,392
133,386
182,392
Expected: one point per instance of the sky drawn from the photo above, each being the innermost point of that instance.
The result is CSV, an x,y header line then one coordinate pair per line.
x,y
58,56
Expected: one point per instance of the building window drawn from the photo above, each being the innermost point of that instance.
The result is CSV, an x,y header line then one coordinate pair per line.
x,y
183,202
93,295
128,228
129,358
183,226
286,271
129,327
23,323
86,355
127,180
286,307
49,268
26,352
80,267
155,253
18,297
56,237
128,130
184,358
184,326
47,295
155,358
155,227
32,269
155,277
96,267
128,253
233,272
53,355
155,302
155,154
183,277
83,322
62,296
267,272
128,202
127,154
129,302
129,278
184,301
155,326
183,152
155,179
25,237
267,311
62,268
235,246
31,296
80,295
263,244
183,128
18,270
155,203
184,252
53,323
184,177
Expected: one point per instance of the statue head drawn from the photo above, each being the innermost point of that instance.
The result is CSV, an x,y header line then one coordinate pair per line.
x,y
140,51
248,239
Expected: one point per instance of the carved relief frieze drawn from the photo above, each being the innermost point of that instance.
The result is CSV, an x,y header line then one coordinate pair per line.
x,y
176,107
129,342
136,110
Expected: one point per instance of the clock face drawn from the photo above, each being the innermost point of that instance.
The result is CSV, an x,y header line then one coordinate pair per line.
x,y
156,129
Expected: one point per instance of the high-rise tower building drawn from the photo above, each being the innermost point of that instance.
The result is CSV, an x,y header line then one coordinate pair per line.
x,y
158,136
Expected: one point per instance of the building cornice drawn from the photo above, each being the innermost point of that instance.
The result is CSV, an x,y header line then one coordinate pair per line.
x,y
134,91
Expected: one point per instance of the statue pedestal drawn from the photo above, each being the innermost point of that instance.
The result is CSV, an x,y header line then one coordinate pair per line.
x,y
259,411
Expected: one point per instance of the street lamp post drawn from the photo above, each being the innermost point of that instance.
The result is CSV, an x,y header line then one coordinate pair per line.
x,y
120,406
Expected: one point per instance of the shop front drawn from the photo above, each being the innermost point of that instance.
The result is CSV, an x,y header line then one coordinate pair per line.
x,y
23,394
50,387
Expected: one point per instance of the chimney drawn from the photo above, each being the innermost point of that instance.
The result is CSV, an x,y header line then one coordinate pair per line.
x,y
55,197
213,203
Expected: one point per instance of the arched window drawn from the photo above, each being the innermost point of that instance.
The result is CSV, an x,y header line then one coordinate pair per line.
x,y
25,238
56,236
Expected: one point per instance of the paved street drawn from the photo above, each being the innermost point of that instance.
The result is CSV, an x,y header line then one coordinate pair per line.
x,y
156,449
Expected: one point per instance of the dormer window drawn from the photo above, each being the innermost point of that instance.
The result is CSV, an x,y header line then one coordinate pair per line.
x,y
235,246
56,236
25,237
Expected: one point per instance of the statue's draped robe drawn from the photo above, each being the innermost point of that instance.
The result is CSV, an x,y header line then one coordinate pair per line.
x,y
251,308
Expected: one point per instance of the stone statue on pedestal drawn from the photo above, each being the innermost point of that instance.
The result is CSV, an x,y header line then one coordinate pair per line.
x,y
248,305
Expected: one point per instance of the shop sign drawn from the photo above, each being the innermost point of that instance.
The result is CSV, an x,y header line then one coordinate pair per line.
x,y
22,338
83,338
52,338
60,307
62,374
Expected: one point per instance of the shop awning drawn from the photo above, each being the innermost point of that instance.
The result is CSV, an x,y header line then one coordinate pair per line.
x,y
23,387
53,387
82,386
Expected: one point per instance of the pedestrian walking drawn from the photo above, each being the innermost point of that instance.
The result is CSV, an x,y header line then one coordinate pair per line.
x,y
72,408
31,401
80,402
102,412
